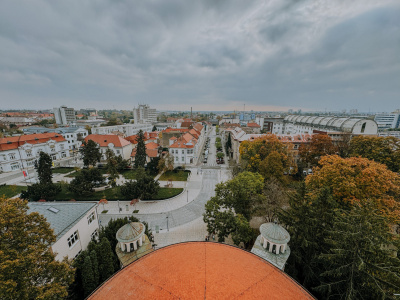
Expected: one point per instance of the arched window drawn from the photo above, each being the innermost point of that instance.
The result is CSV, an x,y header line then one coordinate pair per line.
x,y
363,127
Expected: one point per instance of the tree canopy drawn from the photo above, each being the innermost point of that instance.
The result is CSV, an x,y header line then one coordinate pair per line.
x,y
28,266
385,150
230,210
85,181
357,180
145,187
253,153
90,153
140,156
320,145
43,168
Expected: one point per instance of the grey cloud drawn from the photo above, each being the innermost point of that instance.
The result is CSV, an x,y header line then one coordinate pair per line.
x,y
208,53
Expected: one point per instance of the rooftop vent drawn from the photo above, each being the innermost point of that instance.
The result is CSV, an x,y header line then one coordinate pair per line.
x,y
8,142
53,209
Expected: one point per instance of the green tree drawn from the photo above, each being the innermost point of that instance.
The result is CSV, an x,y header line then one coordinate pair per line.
x,y
152,166
307,223
140,156
95,266
85,181
38,191
230,210
145,187
88,281
90,152
228,144
105,254
154,128
111,167
28,266
384,150
45,189
361,262
43,168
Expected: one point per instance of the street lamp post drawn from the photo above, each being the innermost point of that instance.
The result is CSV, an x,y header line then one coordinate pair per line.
x,y
167,223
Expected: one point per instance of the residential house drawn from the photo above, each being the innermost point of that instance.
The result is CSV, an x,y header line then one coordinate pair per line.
x,y
117,144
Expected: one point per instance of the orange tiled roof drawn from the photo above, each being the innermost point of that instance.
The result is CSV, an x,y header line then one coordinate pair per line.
x,y
14,142
255,125
104,139
149,152
152,145
175,130
198,127
200,270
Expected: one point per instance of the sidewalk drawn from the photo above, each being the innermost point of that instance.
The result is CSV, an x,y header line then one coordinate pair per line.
x,y
191,191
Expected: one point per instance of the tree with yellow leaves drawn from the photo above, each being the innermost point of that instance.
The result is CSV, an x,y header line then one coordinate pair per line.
x,y
255,154
357,180
28,269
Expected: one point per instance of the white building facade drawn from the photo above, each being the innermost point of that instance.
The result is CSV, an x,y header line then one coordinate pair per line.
x,y
388,121
74,225
126,129
144,114
299,124
73,135
18,153
64,115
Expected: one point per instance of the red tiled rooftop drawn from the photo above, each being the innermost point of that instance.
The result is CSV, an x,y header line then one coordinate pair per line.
x,y
255,125
104,140
200,270
14,142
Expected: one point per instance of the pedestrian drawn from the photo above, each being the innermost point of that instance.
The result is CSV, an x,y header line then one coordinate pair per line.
x,y
206,238
213,237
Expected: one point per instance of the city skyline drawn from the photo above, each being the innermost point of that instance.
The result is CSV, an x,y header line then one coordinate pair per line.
x,y
271,56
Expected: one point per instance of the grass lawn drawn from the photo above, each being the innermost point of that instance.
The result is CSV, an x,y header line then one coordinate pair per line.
x,y
129,174
62,170
102,171
178,176
113,194
11,190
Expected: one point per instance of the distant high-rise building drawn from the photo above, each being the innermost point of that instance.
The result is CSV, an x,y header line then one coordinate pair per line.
x,y
64,115
144,114
388,121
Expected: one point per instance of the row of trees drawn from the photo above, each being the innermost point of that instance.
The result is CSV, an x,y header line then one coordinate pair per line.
x,y
96,264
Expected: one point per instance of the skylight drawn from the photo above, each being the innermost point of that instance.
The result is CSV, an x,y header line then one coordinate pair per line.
x,y
53,209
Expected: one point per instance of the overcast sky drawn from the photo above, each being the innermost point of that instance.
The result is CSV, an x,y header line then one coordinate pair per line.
x,y
208,54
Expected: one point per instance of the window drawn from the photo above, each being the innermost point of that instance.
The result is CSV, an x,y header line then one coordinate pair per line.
x,y
28,152
93,235
53,157
183,159
52,148
62,146
176,158
4,157
15,166
118,152
172,151
183,151
12,155
90,218
73,239
63,154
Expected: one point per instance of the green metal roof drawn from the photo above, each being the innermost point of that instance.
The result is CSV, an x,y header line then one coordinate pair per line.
x,y
130,232
274,233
